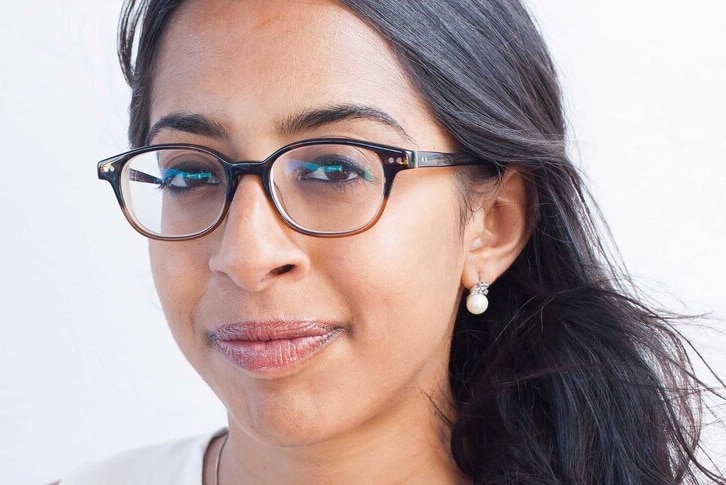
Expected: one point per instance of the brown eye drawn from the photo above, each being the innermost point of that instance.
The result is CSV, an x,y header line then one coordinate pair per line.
x,y
189,178
333,168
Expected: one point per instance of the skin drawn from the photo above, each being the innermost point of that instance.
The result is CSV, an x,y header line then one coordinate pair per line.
x,y
360,411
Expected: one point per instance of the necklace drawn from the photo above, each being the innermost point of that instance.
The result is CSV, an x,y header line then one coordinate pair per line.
x,y
219,459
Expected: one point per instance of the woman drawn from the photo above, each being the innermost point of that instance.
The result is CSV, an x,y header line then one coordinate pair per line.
x,y
336,296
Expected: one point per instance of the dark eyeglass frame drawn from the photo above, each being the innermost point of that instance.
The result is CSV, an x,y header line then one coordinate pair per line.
x,y
393,159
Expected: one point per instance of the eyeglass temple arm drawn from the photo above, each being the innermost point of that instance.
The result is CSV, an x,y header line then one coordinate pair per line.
x,y
138,176
438,159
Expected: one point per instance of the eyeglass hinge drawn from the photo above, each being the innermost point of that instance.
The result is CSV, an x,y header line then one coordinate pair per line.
x,y
418,159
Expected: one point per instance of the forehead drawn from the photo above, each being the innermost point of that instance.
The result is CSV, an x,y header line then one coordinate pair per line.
x,y
320,27
275,56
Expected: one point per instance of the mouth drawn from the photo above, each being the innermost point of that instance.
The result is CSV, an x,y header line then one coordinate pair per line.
x,y
271,346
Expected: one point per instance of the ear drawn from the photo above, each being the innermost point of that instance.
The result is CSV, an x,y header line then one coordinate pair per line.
x,y
497,231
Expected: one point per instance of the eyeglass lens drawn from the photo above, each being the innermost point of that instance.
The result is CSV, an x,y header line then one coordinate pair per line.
x,y
331,188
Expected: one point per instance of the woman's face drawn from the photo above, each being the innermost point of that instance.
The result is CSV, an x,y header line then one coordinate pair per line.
x,y
306,338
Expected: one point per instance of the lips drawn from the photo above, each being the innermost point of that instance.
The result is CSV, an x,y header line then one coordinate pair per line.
x,y
269,346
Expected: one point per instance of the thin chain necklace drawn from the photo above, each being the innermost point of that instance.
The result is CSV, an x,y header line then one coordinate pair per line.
x,y
219,459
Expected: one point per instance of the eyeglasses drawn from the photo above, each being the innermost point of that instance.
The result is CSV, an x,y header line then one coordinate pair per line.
x,y
322,187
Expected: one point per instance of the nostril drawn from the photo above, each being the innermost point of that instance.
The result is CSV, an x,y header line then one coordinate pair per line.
x,y
283,269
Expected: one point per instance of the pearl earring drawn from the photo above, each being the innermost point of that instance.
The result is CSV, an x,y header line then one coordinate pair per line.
x,y
477,302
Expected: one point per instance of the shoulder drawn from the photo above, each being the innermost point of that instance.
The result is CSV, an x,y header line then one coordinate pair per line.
x,y
176,462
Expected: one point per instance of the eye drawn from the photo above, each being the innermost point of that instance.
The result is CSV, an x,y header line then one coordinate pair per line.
x,y
175,178
332,168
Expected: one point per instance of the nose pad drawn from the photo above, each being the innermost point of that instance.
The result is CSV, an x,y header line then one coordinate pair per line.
x,y
256,247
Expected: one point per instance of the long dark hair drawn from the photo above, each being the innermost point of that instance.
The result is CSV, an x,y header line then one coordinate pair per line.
x,y
568,378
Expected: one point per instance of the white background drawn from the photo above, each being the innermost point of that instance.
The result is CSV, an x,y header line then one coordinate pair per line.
x,y
87,366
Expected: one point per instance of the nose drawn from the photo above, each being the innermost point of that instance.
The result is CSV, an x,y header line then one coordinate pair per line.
x,y
256,247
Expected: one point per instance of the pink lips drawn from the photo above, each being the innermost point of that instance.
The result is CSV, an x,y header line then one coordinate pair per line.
x,y
265,347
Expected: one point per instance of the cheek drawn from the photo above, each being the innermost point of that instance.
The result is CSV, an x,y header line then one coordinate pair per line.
x,y
401,279
180,270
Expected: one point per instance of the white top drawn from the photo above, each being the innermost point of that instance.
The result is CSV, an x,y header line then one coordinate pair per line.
x,y
174,463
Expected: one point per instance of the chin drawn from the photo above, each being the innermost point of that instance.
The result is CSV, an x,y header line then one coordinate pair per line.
x,y
287,424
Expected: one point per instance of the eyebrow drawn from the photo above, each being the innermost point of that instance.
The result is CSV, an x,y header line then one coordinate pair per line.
x,y
307,120
314,118
195,124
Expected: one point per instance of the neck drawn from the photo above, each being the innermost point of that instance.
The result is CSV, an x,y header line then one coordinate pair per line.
x,y
408,444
